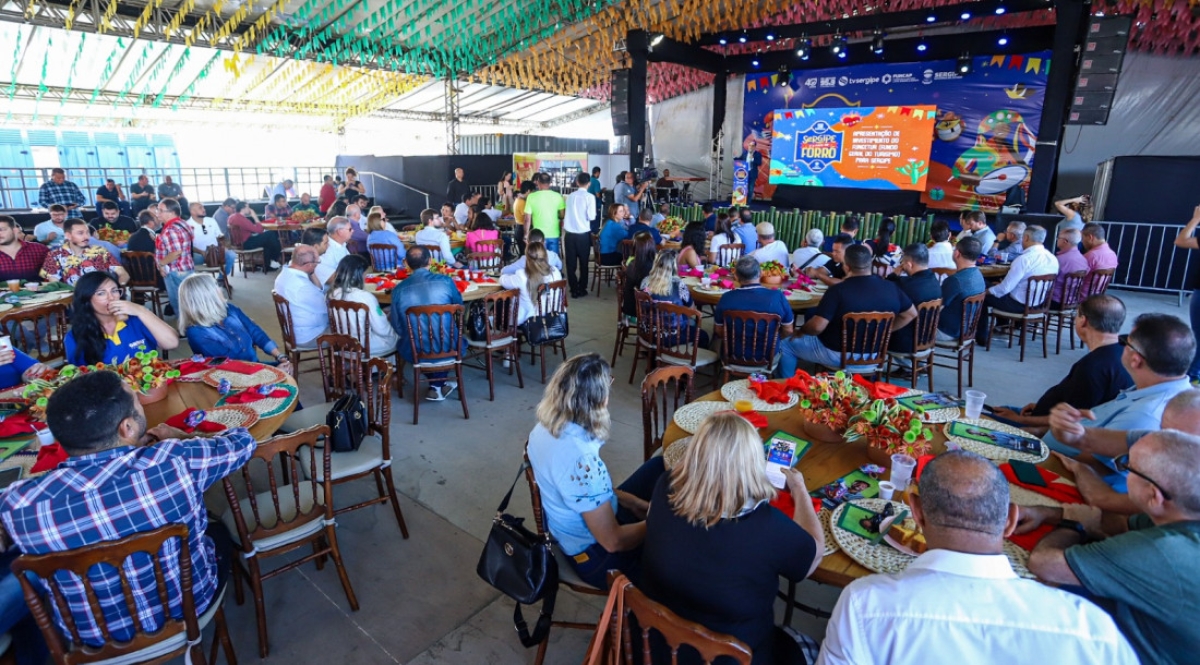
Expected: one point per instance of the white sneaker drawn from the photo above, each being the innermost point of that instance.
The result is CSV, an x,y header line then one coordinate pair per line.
x,y
449,387
274,265
505,363
434,395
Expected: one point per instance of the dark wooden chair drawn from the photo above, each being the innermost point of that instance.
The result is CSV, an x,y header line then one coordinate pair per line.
x,y
749,343
287,242
663,391
354,319
384,258
287,331
1098,281
1035,314
567,577
920,356
144,279
962,350
727,255
865,338
214,264
491,256
104,570
646,340
284,518
40,331
943,273
435,333
623,339
341,360
551,299
1062,314
627,248
249,259
601,272
880,268
678,338
501,310
435,253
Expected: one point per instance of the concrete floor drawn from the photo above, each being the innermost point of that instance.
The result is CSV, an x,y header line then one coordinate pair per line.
x,y
421,601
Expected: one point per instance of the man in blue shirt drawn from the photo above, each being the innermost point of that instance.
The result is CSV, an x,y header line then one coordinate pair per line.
x,y
643,224
423,288
744,229
820,340
966,282
751,296
597,191
60,190
710,218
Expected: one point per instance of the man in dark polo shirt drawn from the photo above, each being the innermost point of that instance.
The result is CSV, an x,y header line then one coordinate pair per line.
x,y
112,218
966,282
819,342
1094,379
752,297
834,271
920,284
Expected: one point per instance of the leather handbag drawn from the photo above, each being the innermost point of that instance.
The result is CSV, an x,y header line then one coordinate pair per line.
x,y
477,322
547,328
347,422
521,564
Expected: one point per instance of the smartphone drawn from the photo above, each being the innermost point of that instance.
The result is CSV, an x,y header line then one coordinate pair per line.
x,y
5,343
218,360
1027,473
9,476
781,454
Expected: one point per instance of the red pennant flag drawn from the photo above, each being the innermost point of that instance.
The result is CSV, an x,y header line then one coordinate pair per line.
x,y
1016,62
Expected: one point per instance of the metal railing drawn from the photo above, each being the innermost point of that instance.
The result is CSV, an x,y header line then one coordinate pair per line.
x,y
373,175
1149,259
19,185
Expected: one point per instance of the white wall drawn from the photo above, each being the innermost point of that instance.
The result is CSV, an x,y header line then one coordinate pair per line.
x,y
680,133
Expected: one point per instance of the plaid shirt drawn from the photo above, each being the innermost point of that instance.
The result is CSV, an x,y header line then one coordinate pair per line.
x,y
70,267
119,492
26,264
175,236
66,193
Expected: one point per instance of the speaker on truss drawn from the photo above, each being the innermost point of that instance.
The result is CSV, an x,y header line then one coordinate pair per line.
x,y
620,102
1099,68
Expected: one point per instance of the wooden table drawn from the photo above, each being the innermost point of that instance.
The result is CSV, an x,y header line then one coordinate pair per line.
x,y
62,297
408,239
292,227
706,298
823,464
995,271
478,293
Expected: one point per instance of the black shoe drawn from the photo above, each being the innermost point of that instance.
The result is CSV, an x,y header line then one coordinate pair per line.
x,y
581,294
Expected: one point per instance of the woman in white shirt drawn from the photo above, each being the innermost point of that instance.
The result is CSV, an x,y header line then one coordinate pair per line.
x,y
722,236
537,271
347,284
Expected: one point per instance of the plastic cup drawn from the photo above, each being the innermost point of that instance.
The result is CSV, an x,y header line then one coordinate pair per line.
x,y
743,406
902,470
974,399
706,282
886,490
45,437
14,285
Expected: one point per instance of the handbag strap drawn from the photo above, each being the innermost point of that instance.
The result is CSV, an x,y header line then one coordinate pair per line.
x,y
541,629
508,495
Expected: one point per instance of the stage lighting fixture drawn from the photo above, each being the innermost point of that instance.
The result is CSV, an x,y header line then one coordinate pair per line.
x,y
754,62
1000,10
931,19
964,65
966,16
1003,41
843,54
722,41
877,44
657,39
742,38
838,46
804,49
770,37
922,47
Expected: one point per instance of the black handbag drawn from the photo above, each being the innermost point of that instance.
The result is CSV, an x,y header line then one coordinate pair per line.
x,y
541,330
347,422
477,322
521,564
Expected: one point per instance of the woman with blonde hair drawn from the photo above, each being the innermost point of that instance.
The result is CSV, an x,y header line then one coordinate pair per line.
x,y
664,285
215,327
710,520
537,271
598,527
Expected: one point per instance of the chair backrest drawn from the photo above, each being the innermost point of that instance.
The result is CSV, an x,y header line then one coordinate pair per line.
x,y
489,261
627,248
501,310
728,254
678,332
926,325
377,382
39,331
143,269
620,290
675,631
384,257
1037,295
214,256
310,498
341,357
1097,282
495,246
287,330
285,236
103,571
1072,290
435,252
865,337
880,268
596,249
551,297
646,323
972,312
663,391
943,273
350,318
435,332
750,338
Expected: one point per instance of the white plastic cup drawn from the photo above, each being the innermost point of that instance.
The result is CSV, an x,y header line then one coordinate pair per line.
x,y
706,282
902,470
886,490
974,400
45,437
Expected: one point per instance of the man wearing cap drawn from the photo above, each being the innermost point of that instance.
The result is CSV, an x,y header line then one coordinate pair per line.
x,y
769,249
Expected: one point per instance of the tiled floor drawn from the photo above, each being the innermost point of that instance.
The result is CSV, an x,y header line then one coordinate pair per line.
x,y
421,601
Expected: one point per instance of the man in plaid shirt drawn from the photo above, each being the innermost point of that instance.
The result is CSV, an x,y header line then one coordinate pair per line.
x,y
60,190
173,249
119,480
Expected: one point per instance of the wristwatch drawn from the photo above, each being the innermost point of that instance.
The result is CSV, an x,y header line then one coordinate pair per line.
x,y
1072,525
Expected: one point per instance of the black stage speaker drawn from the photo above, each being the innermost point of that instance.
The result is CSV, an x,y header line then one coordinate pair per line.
x,y
620,102
1099,67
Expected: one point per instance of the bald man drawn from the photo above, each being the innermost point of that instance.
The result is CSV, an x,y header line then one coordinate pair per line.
x,y
1147,570
932,613
298,284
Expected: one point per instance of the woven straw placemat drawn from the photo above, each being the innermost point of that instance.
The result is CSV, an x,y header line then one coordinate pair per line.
x,y
265,374
690,416
740,389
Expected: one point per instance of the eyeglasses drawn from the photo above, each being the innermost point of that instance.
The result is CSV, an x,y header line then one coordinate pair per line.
x,y
1123,340
1122,464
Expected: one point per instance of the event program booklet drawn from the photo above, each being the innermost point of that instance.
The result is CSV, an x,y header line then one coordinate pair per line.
x,y
930,402
853,485
983,434
783,451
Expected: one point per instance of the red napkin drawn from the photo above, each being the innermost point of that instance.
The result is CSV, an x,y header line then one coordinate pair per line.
x,y
784,502
179,421
239,367
1027,541
800,381
1061,492
16,425
921,462
879,390
487,280
770,391
191,367
461,285
251,394
754,418
49,456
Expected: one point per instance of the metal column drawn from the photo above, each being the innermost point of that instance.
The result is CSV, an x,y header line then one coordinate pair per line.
x,y
451,117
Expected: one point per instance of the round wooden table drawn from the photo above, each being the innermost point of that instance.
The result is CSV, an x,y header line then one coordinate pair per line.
x,y
706,298
51,298
199,395
477,293
995,271
821,465
408,238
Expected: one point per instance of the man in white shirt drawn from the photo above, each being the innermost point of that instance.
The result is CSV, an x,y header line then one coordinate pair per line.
x,y
1011,239
297,283
577,234
205,234
941,252
50,232
960,602
974,223
462,211
1009,295
769,249
338,231
809,255
433,235
488,209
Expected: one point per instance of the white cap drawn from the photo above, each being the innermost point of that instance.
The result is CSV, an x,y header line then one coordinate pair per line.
x,y
765,229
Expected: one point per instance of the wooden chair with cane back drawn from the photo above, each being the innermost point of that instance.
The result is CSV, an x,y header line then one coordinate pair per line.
x,y
943,273
41,331
1035,314
1061,315
623,325
749,342
678,338
962,350
435,333
500,313
341,360
865,338
920,356
384,257
214,264
144,280
551,299
287,330
663,391
728,254
601,272
1098,281
647,336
